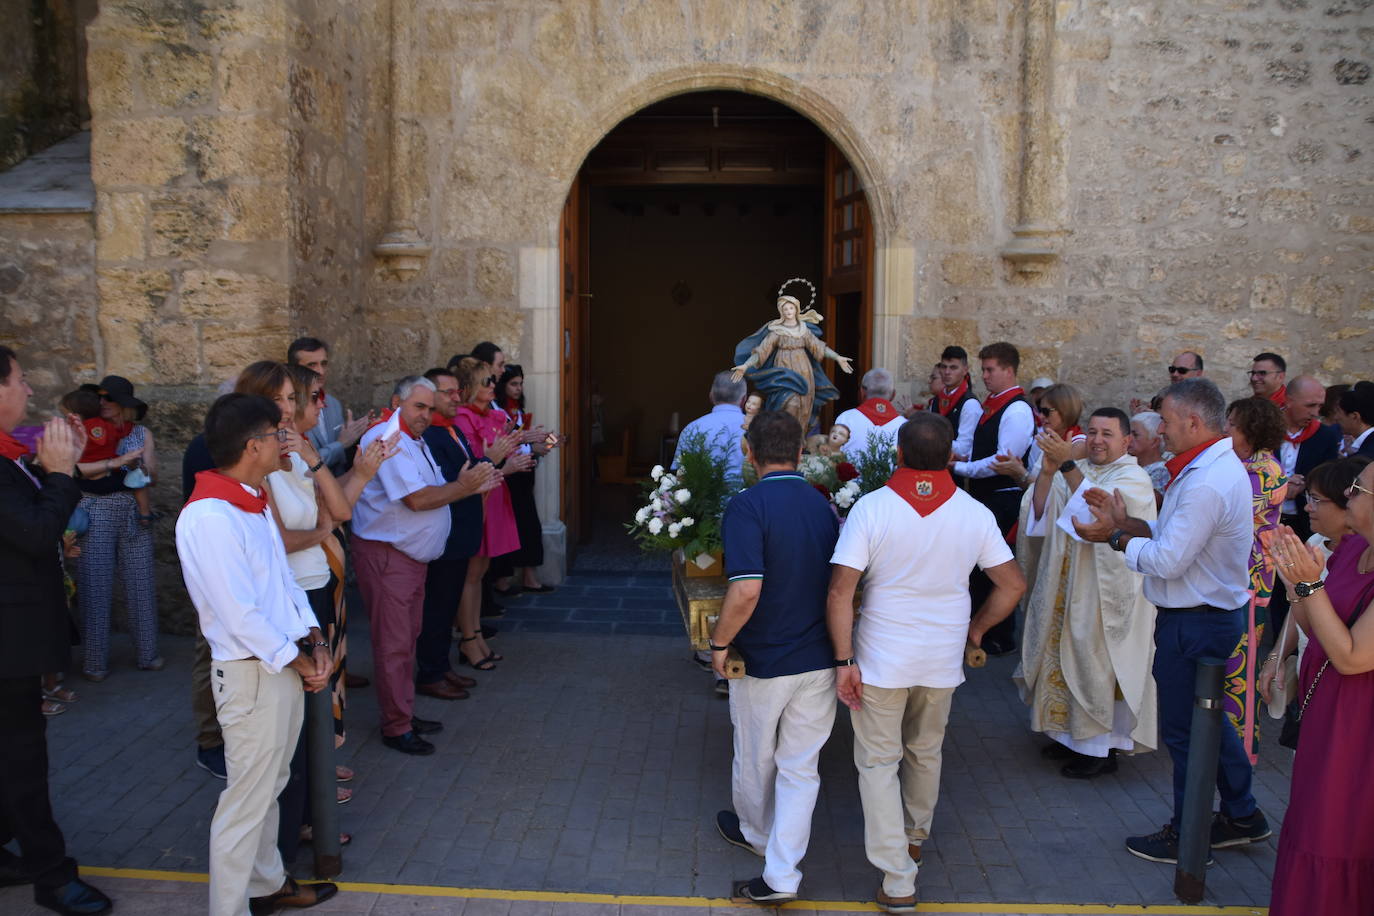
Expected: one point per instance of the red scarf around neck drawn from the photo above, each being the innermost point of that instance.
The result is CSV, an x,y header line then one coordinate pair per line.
x,y
441,421
11,447
924,491
944,402
1176,464
879,411
405,428
214,485
998,401
1302,435
1280,397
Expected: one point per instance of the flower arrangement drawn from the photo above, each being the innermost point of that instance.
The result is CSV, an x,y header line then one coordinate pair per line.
x,y
682,509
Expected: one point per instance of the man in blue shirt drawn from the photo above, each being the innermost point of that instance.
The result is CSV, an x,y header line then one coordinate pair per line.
x,y
779,536
723,426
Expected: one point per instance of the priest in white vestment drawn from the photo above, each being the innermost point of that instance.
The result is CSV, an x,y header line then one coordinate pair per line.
x,y
1088,645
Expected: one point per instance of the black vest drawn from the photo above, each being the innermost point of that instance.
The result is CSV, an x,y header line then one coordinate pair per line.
x,y
985,444
953,417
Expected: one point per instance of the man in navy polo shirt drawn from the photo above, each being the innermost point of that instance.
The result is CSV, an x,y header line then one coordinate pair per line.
x,y
778,535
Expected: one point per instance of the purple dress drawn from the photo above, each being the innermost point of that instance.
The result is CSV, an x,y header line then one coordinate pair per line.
x,y
1326,850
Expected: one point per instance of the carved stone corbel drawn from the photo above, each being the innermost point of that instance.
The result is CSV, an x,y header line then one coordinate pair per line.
x,y
1034,242
401,249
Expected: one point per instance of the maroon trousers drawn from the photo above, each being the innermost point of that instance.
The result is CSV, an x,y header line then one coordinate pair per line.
x,y
393,586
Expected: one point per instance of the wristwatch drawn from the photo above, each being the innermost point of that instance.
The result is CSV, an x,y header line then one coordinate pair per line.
x,y
1114,540
846,662
716,648
1067,466
1308,589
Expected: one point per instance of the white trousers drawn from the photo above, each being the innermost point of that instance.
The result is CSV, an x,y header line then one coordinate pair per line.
x,y
781,724
260,715
898,737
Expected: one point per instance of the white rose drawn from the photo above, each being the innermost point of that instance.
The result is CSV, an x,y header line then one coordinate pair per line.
x,y
682,496
688,522
655,525
642,515
674,530
844,499
657,472
656,504
669,481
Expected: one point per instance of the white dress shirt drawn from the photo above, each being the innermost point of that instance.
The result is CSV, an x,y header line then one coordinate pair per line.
x,y
245,594
1199,551
861,427
1015,432
969,415
1288,460
915,615
1355,443
381,516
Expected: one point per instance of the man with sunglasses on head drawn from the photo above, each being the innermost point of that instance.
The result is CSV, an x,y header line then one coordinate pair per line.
x,y
265,646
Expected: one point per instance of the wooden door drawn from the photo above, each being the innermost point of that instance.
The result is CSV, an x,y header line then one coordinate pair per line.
x,y
847,278
574,420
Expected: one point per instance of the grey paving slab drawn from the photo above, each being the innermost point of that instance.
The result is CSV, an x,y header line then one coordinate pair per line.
x,y
594,761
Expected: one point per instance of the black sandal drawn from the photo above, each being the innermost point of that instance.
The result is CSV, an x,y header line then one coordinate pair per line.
x,y
482,664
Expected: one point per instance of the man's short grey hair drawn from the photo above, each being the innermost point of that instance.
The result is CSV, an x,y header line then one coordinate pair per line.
x,y
408,384
878,383
1149,420
1202,398
725,390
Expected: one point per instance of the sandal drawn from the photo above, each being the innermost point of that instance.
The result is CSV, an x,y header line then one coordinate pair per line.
x,y
308,836
343,774
482,664
60,694
53,708
344,795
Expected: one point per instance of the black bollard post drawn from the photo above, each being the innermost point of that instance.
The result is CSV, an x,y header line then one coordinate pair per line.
x,y
324,803
1204,746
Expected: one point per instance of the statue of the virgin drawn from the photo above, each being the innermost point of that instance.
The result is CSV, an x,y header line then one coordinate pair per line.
x,y
782,360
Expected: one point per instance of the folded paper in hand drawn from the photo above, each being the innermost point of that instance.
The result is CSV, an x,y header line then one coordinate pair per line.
x,y
1076,508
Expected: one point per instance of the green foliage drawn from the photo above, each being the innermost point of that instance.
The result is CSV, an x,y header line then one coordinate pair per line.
x,y
683,509
876,462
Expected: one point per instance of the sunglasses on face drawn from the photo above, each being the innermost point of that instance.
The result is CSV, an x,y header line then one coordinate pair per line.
x,y
279,434
489,380
317,396
1180,370
1046,411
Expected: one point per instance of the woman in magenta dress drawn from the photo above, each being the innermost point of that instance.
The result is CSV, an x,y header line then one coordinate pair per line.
x,y
1326,850
487,429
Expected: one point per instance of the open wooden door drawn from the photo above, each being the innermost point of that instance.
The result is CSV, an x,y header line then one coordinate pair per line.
x,y
574,419
847,281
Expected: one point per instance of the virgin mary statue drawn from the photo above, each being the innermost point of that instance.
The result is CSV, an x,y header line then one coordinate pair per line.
x,y
782,360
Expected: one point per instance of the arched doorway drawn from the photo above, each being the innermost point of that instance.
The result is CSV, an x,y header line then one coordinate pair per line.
x,y
678,229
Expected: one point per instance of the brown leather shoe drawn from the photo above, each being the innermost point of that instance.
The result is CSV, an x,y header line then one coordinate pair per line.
x,y
895,904
299,896
355,681
457,680
441,690
914,850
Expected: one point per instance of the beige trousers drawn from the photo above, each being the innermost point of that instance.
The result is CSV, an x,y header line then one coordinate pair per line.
x,y
260,715
898,735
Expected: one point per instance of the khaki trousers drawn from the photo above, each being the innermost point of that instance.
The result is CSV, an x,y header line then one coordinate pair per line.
x,y
260,715
898,735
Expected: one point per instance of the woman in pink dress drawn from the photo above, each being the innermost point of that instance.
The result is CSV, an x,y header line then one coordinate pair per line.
x,y
1326,850
487,429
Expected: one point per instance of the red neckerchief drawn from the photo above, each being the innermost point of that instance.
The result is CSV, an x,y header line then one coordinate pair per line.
x,y
924,491
214,485
441,421
998,401
1177,463
1071,432
944,402
383,417
879,411
11,447
1302,435
405,428
1280,397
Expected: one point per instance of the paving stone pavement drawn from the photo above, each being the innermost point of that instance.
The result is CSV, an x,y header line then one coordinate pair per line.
x,y
594,760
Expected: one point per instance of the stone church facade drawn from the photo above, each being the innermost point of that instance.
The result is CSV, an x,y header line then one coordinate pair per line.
x,y
1101,183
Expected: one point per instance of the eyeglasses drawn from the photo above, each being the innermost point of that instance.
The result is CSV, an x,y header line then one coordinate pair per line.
x,y
1354,488
489,380
1180,370
279,434
317,396
1315,501
1261,373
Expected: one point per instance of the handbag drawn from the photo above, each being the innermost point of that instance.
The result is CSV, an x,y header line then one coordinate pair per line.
x,y
1296,719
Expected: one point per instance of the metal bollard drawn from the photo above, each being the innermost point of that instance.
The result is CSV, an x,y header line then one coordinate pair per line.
x,y
324,803
1204,747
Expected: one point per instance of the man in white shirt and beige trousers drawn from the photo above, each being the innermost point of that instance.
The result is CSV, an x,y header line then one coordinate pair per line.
x,y
265,645
919,538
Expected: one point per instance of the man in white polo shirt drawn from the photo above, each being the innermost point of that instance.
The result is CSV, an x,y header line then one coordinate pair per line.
x,y
876,414
919,538
265,644
400,524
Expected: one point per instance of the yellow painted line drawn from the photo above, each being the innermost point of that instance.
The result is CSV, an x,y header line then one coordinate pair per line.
x,y
486,893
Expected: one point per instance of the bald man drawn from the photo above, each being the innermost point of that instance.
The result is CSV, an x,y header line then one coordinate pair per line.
x,y
1186,365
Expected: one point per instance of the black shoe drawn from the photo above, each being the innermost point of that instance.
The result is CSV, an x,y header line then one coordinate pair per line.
x,y
727,825
211,760
409,743
425,726
1086,767
488,631
1158,847
1228,832
758,891
493,610
11,871
1056,751
996,648
703,663
75,898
